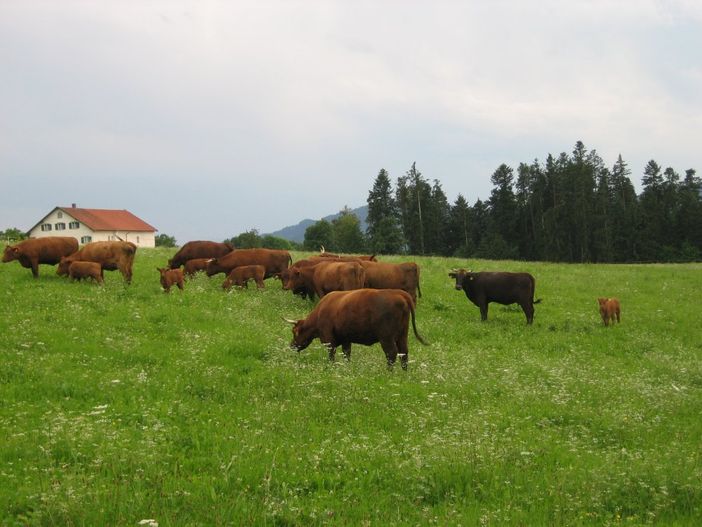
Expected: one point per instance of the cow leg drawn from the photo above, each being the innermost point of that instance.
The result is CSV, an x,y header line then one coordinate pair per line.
x,y
332,352
35,269
346,348
403,351
180,285
528,309
483,311
390,349
260,284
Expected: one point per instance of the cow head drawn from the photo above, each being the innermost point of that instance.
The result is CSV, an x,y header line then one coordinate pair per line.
x,y
64,264
11,253
212,267
302,334
461,275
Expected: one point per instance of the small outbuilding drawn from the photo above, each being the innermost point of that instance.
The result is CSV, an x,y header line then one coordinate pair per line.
x,y
95,225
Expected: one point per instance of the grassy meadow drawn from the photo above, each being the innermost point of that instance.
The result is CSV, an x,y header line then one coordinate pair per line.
x,y
120,404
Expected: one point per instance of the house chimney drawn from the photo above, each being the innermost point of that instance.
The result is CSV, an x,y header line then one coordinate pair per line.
x,y
73,205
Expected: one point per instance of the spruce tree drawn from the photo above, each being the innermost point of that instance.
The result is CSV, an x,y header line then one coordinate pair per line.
x,y
383,231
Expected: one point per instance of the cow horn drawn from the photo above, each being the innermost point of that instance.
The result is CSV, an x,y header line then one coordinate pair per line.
x,y
289,321
321,249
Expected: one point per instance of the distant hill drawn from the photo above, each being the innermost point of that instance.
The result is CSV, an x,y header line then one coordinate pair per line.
x,y
296,233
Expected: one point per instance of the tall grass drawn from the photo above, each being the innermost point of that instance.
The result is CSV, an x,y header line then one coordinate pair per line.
x,y
122,403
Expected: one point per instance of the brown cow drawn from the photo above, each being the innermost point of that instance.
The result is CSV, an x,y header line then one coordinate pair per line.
x,y
199,249
171,277
325,277
110,255
34,251
196,265
274,260
240,276
81,270
363,316
501,287
405,276
609,309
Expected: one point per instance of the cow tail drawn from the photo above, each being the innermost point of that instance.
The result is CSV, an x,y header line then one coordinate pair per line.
x,y
414,326
419,290
533,289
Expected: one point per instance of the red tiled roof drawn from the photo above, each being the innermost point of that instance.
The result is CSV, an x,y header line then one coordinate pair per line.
x,y
108,220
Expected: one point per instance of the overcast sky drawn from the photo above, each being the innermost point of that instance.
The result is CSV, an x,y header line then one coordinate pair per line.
x,y
207,119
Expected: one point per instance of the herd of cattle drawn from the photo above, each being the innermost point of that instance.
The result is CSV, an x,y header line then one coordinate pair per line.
x,y
361,300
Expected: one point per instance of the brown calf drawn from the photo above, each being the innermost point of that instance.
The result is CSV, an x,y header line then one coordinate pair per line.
x,y
170,277
609,309
80,270
194,266
240,276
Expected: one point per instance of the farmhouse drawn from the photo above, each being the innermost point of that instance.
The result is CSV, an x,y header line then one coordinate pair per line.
x,y
95,225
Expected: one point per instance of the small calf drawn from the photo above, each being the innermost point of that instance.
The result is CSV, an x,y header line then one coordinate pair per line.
x,y
240,276
170,277
609,309
195,265
81,270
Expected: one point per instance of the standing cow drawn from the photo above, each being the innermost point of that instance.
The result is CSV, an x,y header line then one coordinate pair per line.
x,y
196,265
325,277
199,249
362,316
110,255
382,275
240,276
274,260
83,270
34,251
171,277
501,287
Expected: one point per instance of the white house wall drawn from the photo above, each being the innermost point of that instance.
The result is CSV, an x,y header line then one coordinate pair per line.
x,y
141,238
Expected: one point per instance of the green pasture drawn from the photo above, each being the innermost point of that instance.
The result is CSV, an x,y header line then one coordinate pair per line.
x,y
120,404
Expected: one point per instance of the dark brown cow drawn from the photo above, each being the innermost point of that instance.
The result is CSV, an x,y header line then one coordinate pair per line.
x,y
110,255
199,249
196,265
240,276
274,260
30,253
325,277
171,277
501,287
81,270
363,316
405,276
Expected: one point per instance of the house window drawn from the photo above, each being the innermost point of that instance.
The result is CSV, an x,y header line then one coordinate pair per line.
x,y
60,226
46,227
74,225
60,215
137,240
86,239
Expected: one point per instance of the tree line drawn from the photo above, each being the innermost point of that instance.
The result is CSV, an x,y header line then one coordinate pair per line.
x,y
572,208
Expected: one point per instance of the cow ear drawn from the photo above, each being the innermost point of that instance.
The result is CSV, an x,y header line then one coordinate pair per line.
x,y
15,250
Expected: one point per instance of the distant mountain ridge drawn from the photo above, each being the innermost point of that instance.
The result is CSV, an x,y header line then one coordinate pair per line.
x,y
296,233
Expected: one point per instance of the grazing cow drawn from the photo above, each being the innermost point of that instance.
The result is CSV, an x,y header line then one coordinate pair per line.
x,y
171,277
80,270
240,276
405,276
274,260
363,316
503,288
191,267
199,249
609,309
325,277
110,255
34,251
